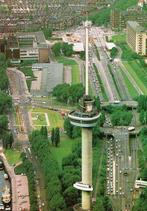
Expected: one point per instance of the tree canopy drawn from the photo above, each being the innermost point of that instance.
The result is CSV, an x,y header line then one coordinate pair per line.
x,y
68,93
62,49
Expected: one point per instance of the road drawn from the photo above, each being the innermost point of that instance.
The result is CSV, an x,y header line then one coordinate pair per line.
x,y
20,96
122,168
102,65
21,99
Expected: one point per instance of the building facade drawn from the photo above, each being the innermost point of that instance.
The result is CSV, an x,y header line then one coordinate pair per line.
x,y
118,19
26,46
136,38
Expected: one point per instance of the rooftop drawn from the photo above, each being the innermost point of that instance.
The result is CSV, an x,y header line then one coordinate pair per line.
x,y
136,26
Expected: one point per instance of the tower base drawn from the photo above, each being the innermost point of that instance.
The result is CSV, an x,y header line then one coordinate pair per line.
x,y
78,207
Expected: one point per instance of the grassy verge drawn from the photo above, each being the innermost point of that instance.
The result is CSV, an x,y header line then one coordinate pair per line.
x,y
27,70
131,89
100,83
120,38
133,62
114,80
136,73
13,156
74,67
64,149
97,52
97,153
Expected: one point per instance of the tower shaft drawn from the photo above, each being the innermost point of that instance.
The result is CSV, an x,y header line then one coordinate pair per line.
x,y
86,166
87,59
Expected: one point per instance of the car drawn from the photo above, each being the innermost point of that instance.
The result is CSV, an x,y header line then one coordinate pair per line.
x,y
125,173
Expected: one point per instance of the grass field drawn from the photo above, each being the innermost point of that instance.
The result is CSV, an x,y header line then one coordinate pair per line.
x,y
13,156
120,38
54,117
74,66
138,73
64,148
134,64
39,119
131,89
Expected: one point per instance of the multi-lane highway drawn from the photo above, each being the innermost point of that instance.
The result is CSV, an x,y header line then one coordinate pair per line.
x,y
122,169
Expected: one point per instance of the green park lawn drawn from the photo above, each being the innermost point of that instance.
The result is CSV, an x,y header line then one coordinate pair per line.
x,y
64,149
38,119
54,117
120,38
133,63
13,156
138,73
74,66
131,89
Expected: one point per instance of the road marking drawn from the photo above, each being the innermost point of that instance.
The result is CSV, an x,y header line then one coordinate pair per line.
x,y
114,163
47,119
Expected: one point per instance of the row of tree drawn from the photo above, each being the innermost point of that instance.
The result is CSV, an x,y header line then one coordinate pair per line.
x,y
49,167
68,93
142,109
119,115
71,170
5,104
55,136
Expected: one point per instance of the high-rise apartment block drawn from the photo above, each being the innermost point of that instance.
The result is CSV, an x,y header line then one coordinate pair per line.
x,y
137,38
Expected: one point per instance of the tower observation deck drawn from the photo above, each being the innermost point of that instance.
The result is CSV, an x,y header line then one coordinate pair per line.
x,y
85,117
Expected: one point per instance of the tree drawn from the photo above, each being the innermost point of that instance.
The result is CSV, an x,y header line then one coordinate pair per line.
x,y
68,94
61,91
47,32
52,136
82,55
99,205
68,127
113,52
76,92
97,103
3,122
142,102
5,103
44,131
67,49
57,136
71,195
57,49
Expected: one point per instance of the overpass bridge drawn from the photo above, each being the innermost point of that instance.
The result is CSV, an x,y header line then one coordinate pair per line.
x,y
140,184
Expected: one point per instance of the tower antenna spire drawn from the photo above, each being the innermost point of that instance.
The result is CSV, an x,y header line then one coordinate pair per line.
x,y
87,25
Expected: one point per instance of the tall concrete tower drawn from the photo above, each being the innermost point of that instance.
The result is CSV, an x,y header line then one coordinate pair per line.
x,y
85,117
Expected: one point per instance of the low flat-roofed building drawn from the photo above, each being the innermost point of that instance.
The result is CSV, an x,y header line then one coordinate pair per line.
x,y
136,38
78,47
48,75
33,46
110,45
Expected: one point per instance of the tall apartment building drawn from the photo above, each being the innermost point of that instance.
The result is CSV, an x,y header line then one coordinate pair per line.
x,y
118,19
137,38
